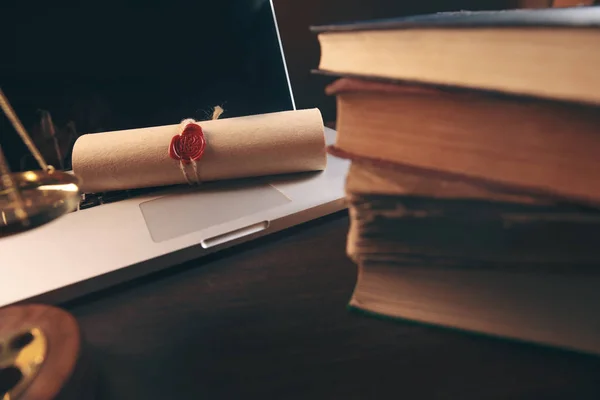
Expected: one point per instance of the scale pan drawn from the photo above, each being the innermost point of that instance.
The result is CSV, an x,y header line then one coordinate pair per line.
x,y
46,195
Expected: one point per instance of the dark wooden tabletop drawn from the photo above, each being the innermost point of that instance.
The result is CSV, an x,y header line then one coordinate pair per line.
x,y
268,320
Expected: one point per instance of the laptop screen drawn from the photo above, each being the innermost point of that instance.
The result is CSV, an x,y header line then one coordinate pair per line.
x,y
104,66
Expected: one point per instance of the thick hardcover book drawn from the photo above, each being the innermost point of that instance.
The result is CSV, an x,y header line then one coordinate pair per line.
x,y
530,145
550,53
553,308
477,233
520,271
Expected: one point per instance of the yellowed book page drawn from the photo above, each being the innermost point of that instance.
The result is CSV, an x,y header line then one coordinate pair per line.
x,y
368,178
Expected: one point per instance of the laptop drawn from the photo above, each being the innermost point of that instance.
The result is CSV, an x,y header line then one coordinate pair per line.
x,y
115,237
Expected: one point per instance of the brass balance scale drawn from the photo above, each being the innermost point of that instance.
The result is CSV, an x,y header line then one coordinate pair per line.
x,y
40,346
32,198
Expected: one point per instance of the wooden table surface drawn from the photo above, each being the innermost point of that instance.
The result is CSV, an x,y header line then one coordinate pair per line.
x,y
268,320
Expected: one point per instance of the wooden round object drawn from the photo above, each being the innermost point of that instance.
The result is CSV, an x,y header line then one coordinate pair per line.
x,y
41,355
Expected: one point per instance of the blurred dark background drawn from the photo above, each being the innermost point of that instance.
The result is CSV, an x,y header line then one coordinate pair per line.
x,y
97,91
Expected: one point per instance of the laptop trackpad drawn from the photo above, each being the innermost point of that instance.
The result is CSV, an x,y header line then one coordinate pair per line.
x,y
193,210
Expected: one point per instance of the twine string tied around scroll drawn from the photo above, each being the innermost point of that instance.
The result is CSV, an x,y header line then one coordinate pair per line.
x,y
178,146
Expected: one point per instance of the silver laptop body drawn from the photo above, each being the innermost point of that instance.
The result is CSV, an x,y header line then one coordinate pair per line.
x,y
93,249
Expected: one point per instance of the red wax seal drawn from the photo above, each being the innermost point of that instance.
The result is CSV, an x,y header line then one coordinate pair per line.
x,y
189,146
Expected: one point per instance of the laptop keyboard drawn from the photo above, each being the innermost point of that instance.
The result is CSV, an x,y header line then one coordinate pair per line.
x,y
89,200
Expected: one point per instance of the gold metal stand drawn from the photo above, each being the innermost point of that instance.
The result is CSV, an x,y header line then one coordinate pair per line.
x,y
32,198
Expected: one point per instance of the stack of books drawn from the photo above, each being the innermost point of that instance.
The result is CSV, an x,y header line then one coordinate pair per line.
x,y
474,187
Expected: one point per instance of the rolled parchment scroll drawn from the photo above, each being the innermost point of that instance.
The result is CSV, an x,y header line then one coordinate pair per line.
x,y
258,145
